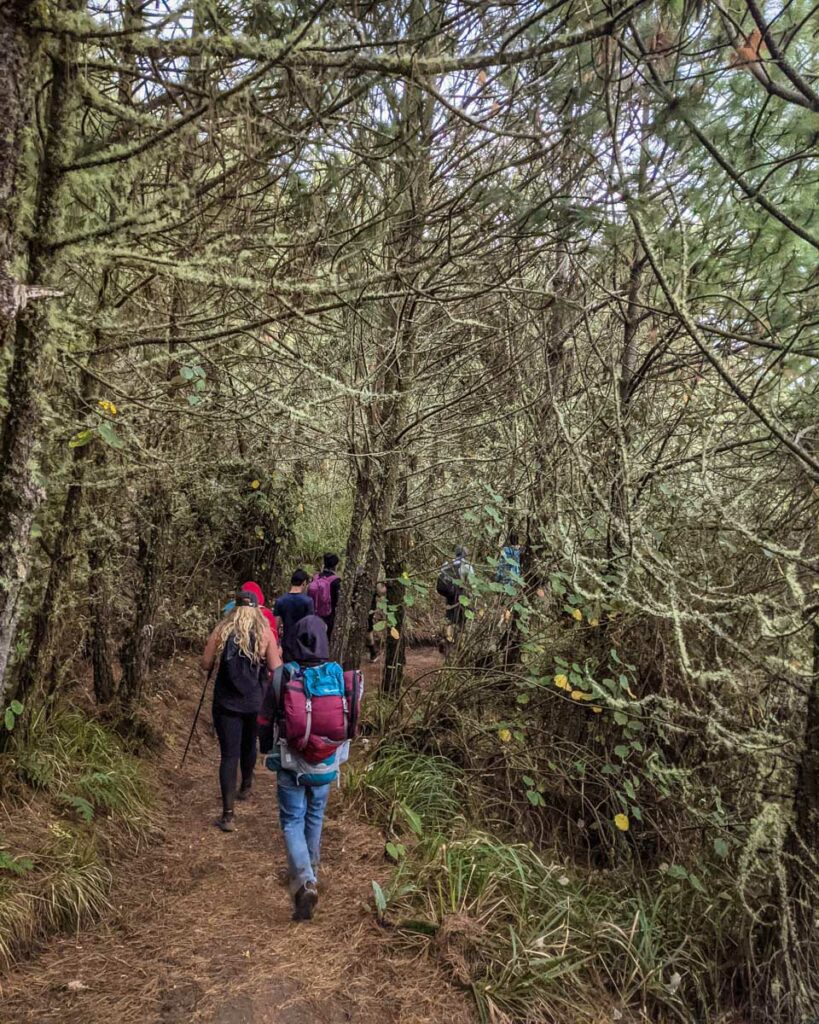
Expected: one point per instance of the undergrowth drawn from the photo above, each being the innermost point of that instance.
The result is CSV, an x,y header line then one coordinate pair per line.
x,y
74,800
532,936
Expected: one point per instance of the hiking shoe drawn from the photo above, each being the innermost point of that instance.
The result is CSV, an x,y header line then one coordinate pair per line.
x,y
305,900
244,792
226,823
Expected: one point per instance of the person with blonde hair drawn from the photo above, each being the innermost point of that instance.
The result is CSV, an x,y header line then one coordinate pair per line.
x,y
247,654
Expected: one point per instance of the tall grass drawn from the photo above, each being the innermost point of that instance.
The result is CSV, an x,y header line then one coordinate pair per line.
x,y
75,794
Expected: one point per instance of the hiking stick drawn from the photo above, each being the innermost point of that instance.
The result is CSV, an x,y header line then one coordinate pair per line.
x,y
196,718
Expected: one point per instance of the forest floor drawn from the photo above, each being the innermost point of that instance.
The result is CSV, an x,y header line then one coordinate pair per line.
x,y
199,928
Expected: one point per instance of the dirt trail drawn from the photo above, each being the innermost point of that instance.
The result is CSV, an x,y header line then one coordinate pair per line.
x,y
200,929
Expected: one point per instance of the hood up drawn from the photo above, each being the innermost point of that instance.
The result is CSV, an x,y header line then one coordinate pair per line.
x,y
310,645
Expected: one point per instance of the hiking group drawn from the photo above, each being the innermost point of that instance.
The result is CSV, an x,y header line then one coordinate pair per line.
x,y
276,687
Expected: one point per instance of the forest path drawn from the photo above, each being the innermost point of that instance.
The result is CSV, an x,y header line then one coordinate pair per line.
x,y
200,929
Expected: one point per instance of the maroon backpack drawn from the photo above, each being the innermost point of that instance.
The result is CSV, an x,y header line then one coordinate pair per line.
x,y
320,590
315,709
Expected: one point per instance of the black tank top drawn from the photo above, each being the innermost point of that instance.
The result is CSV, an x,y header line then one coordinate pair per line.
x,y
238,684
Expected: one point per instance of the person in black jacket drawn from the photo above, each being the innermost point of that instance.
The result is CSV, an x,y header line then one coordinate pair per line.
x,y
243,647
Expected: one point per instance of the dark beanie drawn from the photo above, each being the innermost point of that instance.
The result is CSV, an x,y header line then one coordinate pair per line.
x,y
247,599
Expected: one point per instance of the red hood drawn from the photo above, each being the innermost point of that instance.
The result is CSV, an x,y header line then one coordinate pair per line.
x,y
254,588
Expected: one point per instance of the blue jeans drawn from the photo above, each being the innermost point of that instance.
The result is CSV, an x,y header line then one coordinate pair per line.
x,y
301,813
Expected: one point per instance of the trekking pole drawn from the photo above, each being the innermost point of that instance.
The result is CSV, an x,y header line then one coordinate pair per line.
x,y
196,718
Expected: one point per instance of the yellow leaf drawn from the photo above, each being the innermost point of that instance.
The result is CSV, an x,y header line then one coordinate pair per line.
x,y
562,682
584,696
622,822
594,622
256,484
504,735
107,406
394,633
577,614
577,695
596,709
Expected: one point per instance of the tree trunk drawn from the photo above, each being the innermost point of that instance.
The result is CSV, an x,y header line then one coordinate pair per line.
x,y
394,567
395,551
102,646
15,104
151,557
20,494
352,568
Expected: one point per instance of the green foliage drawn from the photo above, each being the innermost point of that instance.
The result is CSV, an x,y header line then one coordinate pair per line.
x,y
11,714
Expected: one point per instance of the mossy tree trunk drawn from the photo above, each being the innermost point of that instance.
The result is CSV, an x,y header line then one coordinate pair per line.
x,y
15,103
20,491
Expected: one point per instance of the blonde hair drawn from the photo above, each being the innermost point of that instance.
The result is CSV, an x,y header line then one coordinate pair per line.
x,y
247,626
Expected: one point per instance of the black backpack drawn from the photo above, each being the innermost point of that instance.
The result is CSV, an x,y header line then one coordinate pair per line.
x,y
447,585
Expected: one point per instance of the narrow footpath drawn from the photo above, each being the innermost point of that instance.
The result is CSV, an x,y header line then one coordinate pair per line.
x,y
200,931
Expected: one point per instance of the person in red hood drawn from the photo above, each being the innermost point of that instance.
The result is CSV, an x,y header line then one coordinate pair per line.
x,y
256,590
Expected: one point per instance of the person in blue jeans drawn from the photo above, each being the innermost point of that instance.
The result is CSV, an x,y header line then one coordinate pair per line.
x,y
301,813
302,806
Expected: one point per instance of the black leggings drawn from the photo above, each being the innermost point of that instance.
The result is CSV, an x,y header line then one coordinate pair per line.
x,y
237,743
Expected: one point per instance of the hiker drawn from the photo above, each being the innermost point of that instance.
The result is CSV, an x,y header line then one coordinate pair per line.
x,y
243,645
290,608
453,579
508,570
254,588
309,714
324,589
380,591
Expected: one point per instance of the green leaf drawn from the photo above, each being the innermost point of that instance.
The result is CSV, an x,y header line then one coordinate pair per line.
x,y
629,788
720,847
696,883
413,820
379,626
16,707
534,798
380,898
395,851
620,718
636,813
464,600
9,719
528,780
622,751
561,662
82,438
109,435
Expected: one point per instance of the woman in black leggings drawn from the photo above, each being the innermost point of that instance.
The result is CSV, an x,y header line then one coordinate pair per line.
x,y
247,655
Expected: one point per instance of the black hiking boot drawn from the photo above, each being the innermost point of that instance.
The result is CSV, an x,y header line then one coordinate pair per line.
x,y
226,823
245,792
305,900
